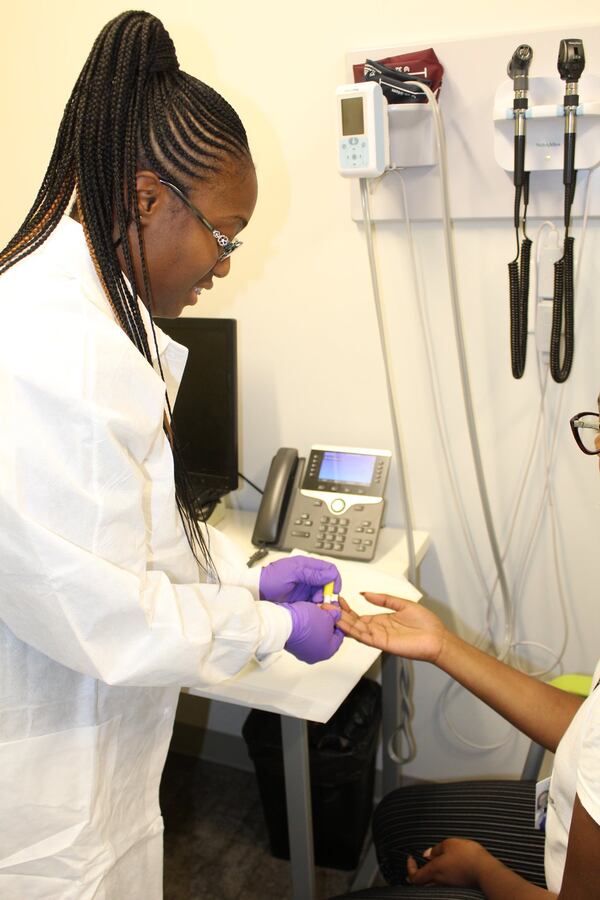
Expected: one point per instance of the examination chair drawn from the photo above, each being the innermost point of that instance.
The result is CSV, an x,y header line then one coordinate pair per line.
x,y
410,819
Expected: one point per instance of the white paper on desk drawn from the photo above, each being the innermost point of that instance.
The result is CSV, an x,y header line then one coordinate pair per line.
x,y
360,576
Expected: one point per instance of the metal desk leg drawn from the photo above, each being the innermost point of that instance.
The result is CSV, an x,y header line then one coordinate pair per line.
x,y
366,874
299,807
390,695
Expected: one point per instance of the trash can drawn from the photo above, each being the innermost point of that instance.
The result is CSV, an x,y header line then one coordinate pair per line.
x,y
342,775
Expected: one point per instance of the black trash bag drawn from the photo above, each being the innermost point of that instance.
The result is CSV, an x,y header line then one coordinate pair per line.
x,y
342,773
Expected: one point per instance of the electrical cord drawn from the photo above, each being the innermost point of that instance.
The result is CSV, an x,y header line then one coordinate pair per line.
x,y
445,443
262,550
512,645
402,746
518,282
518,269
571,63
550,448
403,733
465,382
440,417
391,391
463,365
251,483
563,304
545,500
485,636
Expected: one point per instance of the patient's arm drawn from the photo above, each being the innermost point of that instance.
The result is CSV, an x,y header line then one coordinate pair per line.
x,y
539,710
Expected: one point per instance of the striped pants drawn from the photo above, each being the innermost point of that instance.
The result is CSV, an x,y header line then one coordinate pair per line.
x,y
497,814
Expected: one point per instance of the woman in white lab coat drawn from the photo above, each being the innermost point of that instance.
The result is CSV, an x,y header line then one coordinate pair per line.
x,y
111,595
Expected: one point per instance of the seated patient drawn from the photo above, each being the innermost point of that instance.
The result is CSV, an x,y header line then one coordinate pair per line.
x,y
498,854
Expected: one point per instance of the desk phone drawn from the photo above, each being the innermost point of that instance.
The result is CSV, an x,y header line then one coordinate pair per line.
x,y
332,503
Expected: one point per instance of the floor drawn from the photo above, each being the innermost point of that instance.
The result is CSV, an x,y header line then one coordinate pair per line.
x,y
216,842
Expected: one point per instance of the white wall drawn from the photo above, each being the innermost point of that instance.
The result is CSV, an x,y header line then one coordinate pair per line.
x,y
310,361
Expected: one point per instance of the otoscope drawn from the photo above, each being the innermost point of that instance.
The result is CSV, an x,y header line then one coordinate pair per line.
x,y
571,63
518,269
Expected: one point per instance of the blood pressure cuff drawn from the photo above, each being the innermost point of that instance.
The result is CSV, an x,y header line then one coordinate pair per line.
x,y
393,71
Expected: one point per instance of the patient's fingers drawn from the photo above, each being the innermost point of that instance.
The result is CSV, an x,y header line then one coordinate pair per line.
x,y
355,626
347,620
351,616
347,611
386,600
358,631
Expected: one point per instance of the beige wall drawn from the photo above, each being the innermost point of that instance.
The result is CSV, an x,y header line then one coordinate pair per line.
x,y
309,355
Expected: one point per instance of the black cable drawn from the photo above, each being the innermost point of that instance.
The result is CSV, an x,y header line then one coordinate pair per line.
x,y
571,63
257,555
251,483
262,550
563,314
518,283
518,269
563,302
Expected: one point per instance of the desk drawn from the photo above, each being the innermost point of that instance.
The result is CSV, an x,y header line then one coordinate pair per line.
x,y
299,693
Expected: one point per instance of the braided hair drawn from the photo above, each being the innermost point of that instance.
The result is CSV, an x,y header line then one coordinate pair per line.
x,y
132,106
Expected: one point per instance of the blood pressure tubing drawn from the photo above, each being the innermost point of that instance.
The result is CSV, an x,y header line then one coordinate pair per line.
x,y
463,367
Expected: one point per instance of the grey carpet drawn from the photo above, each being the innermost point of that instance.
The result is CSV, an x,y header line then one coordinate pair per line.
x,y
216,844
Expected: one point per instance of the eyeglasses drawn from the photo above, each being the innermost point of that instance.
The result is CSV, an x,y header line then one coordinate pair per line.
x,y
226,246
585,426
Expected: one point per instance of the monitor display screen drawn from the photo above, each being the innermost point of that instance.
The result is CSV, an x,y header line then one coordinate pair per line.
x,y
205,417
352,116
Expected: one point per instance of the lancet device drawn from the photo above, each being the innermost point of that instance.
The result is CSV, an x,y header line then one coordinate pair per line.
x,y
363,131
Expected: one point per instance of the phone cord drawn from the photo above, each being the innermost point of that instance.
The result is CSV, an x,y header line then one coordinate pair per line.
x,y
563,303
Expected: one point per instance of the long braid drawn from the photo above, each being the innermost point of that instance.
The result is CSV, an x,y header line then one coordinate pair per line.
x,y
131,106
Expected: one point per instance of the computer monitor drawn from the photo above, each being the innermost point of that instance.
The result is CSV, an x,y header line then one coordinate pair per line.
x,y
205,418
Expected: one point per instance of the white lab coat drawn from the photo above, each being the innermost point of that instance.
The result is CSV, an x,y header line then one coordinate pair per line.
x,y
102,617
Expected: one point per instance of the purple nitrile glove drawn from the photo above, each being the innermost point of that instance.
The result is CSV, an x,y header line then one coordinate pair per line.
x,y
298,578
314,634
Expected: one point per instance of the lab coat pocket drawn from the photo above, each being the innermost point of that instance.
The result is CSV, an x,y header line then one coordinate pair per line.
x,y
49,786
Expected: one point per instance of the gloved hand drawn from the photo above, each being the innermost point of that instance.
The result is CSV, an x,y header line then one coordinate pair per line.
x,y
297,578
314,634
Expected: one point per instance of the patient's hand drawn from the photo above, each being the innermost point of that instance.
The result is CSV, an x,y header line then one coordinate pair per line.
x,y
410,631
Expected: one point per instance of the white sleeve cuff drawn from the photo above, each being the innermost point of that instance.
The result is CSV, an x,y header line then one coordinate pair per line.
x,y
250,579
277,627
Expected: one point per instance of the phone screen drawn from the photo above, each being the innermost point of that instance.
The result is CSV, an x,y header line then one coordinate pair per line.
x,y
347,468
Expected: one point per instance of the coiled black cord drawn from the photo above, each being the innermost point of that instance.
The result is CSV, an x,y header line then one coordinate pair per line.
x,y
518,285
563,303
518,280
563,314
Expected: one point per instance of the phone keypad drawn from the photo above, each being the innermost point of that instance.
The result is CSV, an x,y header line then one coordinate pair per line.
x,y
351,536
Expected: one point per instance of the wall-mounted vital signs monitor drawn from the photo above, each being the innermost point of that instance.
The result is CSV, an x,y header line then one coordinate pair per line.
x,y
363,138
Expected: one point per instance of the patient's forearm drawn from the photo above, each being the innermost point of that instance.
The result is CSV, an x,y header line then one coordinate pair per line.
x,y
497,882
539,710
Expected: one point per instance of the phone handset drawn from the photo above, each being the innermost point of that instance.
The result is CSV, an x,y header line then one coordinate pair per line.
x,y
276,496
